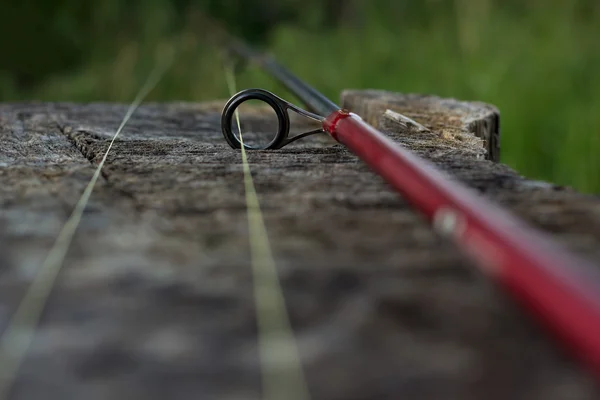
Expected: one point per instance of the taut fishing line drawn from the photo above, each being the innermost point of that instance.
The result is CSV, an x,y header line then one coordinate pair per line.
x,y
282,374
20,331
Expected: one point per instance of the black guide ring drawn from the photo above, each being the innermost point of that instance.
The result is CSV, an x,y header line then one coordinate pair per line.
x,y
278,105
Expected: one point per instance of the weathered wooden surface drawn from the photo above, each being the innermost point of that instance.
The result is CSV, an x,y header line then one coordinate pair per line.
x,y
155,300
446,116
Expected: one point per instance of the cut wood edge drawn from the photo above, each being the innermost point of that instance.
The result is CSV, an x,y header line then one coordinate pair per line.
x,y
425,142
444,116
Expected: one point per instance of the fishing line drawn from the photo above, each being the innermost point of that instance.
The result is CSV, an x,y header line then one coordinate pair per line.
x,y
282,375
20,331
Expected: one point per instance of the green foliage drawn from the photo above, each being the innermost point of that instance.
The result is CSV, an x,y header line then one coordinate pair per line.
x,y
539,64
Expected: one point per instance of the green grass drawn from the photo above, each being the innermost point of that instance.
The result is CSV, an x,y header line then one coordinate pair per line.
x,y
539,65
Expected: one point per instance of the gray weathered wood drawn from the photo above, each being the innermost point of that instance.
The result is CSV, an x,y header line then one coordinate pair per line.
x,y
156,300
447,117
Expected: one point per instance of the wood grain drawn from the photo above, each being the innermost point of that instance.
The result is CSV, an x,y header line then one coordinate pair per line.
x,y
156,300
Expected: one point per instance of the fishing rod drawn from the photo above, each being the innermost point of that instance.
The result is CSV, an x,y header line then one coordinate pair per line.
x,y
558,288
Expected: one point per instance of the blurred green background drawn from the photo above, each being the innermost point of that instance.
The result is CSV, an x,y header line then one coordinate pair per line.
x,y
537,60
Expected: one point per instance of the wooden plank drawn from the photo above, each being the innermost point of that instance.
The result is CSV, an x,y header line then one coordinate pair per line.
x,y
448,117
156,300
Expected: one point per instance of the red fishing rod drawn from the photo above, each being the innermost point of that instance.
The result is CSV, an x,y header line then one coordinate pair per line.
x,y
557,287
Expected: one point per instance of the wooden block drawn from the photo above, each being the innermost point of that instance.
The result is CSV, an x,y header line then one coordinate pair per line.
x,y
446,116
156,299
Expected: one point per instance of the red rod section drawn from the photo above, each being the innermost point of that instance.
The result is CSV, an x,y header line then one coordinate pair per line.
x,y
560,289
